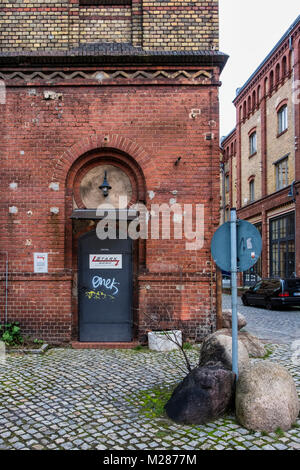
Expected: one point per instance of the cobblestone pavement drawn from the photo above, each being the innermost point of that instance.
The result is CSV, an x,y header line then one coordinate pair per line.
x,y
281,326
90,399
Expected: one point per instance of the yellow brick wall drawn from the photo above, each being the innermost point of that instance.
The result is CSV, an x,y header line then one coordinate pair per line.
x,y
192,25
60,24
105,24
251,165
39,25
278,147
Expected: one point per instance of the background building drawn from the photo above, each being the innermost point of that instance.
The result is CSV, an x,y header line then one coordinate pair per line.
x,y
262,161
125,87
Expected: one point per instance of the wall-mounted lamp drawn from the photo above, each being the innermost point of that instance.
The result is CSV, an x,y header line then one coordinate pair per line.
x,y
178,161
293,191
105,187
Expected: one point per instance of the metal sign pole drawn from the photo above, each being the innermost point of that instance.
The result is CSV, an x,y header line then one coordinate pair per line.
x,y
234,270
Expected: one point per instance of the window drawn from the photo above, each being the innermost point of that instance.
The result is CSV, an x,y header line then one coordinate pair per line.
x,y
282,246
104,2
282,174
253,143
227,185
252,190
282,119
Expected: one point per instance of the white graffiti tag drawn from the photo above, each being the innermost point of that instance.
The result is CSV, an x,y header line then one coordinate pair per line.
x,y
110,284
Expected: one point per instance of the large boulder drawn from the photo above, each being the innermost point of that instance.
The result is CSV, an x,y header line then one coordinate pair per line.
x,y
218,348
227,319
253,345
205,394
266,398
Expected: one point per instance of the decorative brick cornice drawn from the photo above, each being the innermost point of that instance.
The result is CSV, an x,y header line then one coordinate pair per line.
x,y
104,77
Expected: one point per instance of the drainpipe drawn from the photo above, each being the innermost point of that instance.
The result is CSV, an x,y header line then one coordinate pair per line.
x,y
6,284
222,165
296,137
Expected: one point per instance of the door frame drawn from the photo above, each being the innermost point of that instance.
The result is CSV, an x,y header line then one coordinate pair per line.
x,y
131,287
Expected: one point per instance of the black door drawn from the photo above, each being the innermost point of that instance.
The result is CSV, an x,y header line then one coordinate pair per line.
x,y
104,289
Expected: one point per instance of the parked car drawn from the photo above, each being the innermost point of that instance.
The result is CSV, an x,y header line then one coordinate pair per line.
x,y
274,293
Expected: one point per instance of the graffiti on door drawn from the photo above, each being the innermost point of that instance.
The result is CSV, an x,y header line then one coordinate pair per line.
x,y
109,284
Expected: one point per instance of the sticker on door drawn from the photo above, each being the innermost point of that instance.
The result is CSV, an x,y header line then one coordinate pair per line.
x,y
105,261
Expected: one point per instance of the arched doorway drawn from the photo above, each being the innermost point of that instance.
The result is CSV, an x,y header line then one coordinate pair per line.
x,y
104,295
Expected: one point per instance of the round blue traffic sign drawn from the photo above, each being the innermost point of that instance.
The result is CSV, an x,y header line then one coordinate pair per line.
x,y
249,246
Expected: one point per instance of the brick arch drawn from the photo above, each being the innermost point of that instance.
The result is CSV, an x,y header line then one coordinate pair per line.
x,y
96,142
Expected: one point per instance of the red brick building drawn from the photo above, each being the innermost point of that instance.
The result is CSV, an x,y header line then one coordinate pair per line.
x,y
106,86
261,158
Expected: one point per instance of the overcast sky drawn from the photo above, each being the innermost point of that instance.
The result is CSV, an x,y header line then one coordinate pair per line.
x,y
248,32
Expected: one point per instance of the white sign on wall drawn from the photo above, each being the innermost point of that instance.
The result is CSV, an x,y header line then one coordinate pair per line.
x,y
105,261
40,262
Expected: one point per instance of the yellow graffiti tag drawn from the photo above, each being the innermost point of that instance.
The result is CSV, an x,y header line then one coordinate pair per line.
x,y
98,295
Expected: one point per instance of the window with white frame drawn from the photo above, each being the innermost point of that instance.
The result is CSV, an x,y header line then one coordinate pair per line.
x,y
253,143
227,183
282,173
282,119
252,190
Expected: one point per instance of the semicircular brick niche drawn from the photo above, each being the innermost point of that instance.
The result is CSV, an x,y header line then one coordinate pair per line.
x,y
92,196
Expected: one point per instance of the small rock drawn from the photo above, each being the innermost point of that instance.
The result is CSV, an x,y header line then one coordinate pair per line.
x,y
205,394
266,398
218,348
227,319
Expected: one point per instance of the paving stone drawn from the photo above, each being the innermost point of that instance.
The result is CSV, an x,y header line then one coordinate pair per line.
x,y
84,400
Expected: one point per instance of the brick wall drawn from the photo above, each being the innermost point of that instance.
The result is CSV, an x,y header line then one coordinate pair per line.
x,y
43,138
180,25
282,145
155,24
251,165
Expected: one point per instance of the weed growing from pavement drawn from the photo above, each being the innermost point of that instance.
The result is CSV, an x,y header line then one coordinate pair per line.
x,y
269,352
153,401
279,432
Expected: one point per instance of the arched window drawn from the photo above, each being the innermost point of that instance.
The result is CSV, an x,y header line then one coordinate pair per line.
x,y
253,100
277,74
284,67
266,90
249,104
282,119
252,189
253,143
244,110
271,81
258,95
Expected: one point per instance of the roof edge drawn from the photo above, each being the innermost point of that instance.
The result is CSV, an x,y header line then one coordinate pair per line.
x,y
281,40
92,58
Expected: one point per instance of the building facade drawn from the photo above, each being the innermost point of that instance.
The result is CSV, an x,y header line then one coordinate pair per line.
x,y
117,97
261,158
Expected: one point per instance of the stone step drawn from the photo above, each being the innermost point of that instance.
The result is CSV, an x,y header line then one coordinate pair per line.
x,y
79,345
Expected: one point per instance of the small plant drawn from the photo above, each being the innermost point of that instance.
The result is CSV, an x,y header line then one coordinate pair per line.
x,y
139,347
188,346
38,341
279,432
10,334
269,353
